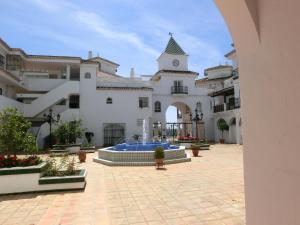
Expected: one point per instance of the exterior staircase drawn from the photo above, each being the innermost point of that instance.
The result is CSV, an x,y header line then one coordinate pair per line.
x,y
51,98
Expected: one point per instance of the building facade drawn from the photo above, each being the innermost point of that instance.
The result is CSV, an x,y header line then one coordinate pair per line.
x,y
110,106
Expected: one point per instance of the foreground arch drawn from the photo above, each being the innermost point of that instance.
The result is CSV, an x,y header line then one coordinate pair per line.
x,y
266,34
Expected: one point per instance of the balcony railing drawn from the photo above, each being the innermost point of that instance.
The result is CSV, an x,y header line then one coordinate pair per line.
x,y
228,106
179,90
219,108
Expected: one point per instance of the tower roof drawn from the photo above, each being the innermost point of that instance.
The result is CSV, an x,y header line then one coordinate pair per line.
x,y
173,48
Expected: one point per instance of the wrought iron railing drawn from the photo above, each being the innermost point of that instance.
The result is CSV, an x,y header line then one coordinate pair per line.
x,y
179,90
219,108
229,106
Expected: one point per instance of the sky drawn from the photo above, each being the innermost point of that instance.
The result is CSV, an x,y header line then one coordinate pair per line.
x,y
132,33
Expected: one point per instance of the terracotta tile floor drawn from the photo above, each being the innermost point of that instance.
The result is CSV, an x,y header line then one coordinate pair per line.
x,y
207,191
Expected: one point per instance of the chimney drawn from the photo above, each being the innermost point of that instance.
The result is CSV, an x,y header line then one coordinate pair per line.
x,y
90,55
132,75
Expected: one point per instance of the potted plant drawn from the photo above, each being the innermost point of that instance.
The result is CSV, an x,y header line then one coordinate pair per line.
x,y
195,149
222,126
82,156
67,134
159,156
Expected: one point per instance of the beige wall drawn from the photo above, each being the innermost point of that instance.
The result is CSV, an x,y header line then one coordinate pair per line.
x,y
267,42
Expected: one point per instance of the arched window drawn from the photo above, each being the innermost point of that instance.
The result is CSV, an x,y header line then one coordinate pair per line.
x,y
109,101
157,106
199,106
232,122
87,76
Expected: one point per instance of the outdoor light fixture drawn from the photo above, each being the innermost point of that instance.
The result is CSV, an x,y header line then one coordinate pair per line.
x,y
50,119
197,119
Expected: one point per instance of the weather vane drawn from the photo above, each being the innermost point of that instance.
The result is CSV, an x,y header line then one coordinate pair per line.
x,y
171,34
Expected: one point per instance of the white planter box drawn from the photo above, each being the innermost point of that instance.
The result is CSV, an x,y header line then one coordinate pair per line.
x,y
73,149
29,179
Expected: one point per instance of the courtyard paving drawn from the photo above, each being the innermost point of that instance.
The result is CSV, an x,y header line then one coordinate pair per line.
x,y
207,191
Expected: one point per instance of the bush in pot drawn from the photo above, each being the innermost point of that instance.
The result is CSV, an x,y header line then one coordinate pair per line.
x,y
222,126
159,156
67,133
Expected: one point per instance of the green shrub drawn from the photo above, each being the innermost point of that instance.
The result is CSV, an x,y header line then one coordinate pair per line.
x,y
65,166
222,126
68,132
159,153
29,145
13,133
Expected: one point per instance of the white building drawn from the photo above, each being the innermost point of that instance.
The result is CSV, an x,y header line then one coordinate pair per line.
x,y
111,106
223,80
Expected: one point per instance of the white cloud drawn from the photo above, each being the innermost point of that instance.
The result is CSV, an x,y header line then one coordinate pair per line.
x,y
99,25
95,23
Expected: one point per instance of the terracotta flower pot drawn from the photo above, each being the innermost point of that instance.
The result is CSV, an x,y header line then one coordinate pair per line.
x,y
159,163
82,156
195,152
222,141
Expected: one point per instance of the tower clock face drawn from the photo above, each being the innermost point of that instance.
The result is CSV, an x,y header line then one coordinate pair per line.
x,y
175,62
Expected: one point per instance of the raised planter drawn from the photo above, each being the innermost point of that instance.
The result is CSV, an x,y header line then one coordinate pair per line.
x,y
20,179
71,148
65,182
90,149
204,146
27,179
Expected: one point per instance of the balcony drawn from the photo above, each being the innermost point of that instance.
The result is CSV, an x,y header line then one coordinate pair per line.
x,y
179,90
228,106
219,108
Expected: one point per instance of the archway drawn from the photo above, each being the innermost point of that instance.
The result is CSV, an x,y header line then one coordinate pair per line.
x,y
178,121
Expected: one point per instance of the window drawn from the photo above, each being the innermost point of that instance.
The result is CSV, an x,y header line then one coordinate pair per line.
x,y
140,122
199,106
143,102
13,62
109,101
0,91
157,106
2,59
87,76
178,83
74,102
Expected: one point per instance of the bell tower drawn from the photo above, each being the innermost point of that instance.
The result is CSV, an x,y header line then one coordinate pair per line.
x,y
173,58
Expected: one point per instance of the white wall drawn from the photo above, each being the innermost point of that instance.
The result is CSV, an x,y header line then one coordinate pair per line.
x,y
218,73
8,102
229,136
94,111
40,84
165,62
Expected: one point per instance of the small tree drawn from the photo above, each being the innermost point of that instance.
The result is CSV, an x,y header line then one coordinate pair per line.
x,y
222,126
68,132
61,132
159,153
13,132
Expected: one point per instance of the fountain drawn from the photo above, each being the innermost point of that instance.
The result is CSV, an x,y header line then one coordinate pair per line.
x,y
140,152
145,130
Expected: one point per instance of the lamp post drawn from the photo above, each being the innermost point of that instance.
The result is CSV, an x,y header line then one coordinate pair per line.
x,y
197,119
50,119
